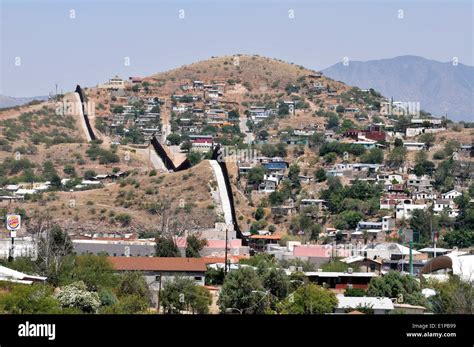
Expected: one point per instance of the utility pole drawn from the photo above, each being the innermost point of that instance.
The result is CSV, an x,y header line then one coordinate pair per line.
x,y
411,257
225,254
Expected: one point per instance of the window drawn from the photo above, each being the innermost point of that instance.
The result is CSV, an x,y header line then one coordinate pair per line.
x,y
197,278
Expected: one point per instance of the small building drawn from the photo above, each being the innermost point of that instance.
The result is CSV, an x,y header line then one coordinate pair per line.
x,y
451,195
162,269
414,146
379,305
341,280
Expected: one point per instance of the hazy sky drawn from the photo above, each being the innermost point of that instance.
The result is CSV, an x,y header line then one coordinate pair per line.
x,y
53,48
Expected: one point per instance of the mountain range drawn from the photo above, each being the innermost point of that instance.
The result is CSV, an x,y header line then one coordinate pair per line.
x,y
440,88
9,101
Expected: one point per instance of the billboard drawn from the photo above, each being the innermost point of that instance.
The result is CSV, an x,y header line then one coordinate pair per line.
x,y
13,222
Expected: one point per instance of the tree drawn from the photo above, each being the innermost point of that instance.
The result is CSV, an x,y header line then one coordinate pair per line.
x,y
76,295
166,247
340,109
333,121
240,292
69,170
186,146
283,109
427,138
174,139
234,114
29,299
95,271
54,246
336,266
398,142
89,174
133,283
460,238
320,175
347,220
194,245
396,285
49,170
194,157
129,304
259,213
293,175
309,299
276,281
453,297
255,175
421,222
397,157
354,292
182,294
373,156
56,182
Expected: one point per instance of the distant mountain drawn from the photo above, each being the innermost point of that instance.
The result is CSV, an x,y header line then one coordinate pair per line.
x,y
441,88
9,101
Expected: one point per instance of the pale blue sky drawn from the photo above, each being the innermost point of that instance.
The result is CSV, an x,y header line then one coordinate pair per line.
x,y
91,48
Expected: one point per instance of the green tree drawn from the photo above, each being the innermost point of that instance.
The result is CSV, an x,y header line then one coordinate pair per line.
x,y
182,294
240,292
89,174
398,142
397,157
95,271
428,139
259,213
29,299
333,121
453,297
347,220
320,175
194,245
133,283
166,247
49,171
373,156
255,175
396,285
174,139
309,299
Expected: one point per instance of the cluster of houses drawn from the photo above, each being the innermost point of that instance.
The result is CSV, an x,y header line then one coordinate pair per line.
x,y
146,119
18,192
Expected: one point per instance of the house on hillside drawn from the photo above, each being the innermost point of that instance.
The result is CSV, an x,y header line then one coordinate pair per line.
x,y
405,211
451,195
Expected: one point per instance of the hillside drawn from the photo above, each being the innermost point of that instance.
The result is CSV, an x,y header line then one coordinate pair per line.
x,y
441,88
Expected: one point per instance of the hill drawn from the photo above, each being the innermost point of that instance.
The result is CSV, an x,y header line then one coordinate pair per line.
x,y
441,88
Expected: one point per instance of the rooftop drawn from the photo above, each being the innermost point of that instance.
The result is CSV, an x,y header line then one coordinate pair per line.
x,y
157,264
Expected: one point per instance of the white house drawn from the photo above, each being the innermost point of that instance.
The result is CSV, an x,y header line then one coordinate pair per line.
x,y
451,195
441,205
414,146
405,211
424,195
